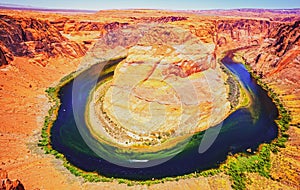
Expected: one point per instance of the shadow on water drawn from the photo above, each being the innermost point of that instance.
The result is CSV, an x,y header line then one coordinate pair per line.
x,y
243,129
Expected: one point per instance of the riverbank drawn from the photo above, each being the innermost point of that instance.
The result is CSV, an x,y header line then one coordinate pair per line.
x,y
24,104
96,114
49,166
94,178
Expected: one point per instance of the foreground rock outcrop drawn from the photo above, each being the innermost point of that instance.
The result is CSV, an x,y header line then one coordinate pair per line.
x,y
7,184
3,60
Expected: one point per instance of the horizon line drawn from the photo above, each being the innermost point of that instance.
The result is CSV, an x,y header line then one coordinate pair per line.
x,y
28,7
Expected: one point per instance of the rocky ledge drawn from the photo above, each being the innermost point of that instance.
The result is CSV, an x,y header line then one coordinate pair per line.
x,y
29,37
168,86
7,184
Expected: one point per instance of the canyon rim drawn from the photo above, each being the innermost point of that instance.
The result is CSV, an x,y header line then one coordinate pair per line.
x,y
38,49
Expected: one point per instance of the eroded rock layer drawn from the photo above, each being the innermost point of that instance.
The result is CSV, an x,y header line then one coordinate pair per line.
x,y
21,107
29,37
7,184
169,85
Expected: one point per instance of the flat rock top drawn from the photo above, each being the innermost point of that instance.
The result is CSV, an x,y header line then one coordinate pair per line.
x,y
168,85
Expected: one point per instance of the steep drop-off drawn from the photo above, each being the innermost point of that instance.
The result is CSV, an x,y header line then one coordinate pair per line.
x,y
168,86
274,57
29,37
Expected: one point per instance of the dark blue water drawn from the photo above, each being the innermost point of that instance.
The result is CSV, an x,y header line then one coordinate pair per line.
x,y
243,129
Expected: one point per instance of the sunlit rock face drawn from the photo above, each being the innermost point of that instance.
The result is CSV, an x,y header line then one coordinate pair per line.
x,y
168,86
33,38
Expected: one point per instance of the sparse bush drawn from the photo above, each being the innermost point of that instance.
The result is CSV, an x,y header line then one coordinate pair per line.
x,y
236,168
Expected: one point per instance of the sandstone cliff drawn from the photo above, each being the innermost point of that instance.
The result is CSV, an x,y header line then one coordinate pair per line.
x,y
279,48
3,60
29,37
270,48
269,44
276,58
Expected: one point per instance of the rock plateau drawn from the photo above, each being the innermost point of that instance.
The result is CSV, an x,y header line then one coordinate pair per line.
x,y
37,49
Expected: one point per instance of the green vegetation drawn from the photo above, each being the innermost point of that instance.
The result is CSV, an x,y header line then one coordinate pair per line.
x,y
49,119
68,77
260,163
236,166
92,176
46,145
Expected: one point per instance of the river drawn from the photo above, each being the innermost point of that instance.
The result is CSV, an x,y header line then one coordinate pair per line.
x,y
246,128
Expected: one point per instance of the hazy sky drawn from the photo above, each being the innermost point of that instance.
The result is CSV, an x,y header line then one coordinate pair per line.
x,y
156,4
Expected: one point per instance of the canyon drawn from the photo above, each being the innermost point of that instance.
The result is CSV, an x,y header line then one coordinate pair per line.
x,y
169,74
37,53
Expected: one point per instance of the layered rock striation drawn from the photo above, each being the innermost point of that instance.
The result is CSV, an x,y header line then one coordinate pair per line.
x,y
274,57
29,37
168,86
